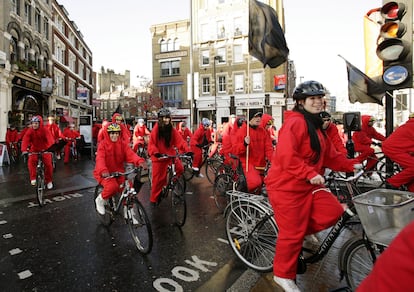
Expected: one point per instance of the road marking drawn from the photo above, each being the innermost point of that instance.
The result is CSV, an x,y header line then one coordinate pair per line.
x,y
25,274
7,236
3,222
15,251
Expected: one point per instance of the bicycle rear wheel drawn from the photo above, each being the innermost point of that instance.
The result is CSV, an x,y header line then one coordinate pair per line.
x,y
222,184
178,203
139,226
212,165
40,187
358,262
252,235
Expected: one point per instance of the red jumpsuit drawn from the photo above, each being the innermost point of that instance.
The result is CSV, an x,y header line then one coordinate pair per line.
x,y
36,141
200,138
363,140
333,134
111,157
185,133
159,167
394,269
140,136
260,150
69,135
399,147
125,132
12,136
300,208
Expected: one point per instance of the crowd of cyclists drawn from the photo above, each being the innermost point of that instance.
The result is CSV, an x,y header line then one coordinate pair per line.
x,y
295,157
38,136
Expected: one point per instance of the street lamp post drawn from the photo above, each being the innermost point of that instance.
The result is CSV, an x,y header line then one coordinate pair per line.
x,y
216,58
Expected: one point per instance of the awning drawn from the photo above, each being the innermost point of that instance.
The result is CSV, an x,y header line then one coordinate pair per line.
x,y
66,119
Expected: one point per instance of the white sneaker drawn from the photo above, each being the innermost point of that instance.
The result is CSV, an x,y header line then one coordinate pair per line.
x,y
100,204
131,213
287,284
200,175
49,185
33,182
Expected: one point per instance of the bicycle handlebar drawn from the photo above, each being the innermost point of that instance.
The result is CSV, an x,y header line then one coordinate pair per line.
x,y
136,169
347,179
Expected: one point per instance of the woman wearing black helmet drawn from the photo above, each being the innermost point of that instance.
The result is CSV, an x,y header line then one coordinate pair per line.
x,y
295,183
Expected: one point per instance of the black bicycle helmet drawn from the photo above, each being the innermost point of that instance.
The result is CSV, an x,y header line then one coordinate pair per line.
x,y
308,88
164,112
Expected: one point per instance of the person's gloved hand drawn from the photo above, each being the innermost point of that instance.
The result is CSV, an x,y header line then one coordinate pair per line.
x,y
190,154
358,166
199,145
158,155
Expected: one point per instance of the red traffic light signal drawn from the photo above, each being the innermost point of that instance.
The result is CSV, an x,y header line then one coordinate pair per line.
x,y
394,45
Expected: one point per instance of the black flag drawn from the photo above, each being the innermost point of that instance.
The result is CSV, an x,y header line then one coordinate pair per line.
x,y
118,110
361,88
266,38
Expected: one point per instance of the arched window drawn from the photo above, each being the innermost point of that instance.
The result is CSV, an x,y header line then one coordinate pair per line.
x,y
176,45
163,46
14,52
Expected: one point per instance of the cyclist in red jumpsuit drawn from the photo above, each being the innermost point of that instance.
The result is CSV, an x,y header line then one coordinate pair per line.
x,y
69,133
399,147
200,138
295,184
125,133
111,155
55,131
164,139
255,142
37,139
12,136
363,140
332,132
184,131
141,135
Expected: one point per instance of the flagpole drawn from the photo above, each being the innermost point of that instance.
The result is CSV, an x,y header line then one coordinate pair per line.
x,y
248,112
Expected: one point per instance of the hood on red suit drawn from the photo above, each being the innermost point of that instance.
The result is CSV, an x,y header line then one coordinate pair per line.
x,y
114,117
365,120
265,119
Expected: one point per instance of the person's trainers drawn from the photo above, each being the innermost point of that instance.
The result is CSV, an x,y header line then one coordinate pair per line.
x,y
200,175
100,204
287,284
49,185
33,182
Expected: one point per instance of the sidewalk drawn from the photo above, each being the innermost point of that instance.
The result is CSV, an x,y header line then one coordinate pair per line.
x,y
15,185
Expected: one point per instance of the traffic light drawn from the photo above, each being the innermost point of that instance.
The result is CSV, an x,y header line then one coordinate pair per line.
x,y
394,45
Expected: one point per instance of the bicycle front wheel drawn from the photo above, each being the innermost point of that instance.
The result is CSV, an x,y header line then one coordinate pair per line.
x,y
358,262
40,187
178,203
139,226
252,235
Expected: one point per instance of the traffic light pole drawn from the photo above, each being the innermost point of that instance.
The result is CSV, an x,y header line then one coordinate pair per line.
x,y
389,122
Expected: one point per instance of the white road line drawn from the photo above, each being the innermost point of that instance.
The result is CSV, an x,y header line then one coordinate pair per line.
x,y
15,251
7,236
25,274
3,222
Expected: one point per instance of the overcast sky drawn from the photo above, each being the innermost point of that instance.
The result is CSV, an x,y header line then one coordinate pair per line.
x,y
118,33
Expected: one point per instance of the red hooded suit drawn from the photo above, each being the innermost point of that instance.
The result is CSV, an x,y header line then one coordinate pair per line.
x,y
363,140
110,158
35,141
159,167
399,147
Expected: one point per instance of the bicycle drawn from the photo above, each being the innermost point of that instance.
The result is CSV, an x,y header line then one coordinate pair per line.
x,y
252,230
40,176
14,152
139,225
176,188
211,164
383,214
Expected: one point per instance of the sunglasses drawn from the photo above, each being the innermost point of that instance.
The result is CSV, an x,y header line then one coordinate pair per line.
x,y
269,123
119,119
326,120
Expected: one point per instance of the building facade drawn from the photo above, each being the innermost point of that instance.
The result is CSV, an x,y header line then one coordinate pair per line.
x,y
72,73
25,61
